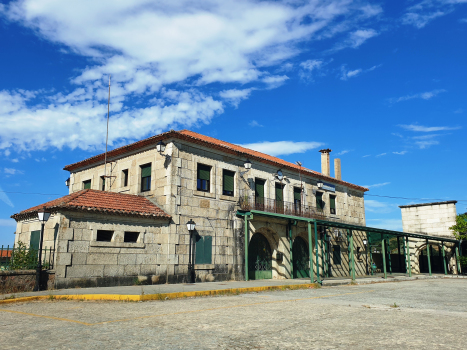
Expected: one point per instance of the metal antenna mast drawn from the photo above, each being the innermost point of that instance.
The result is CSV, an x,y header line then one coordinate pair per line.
x,y
107,136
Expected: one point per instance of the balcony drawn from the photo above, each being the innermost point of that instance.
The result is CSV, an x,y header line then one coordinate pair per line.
x,y
248,203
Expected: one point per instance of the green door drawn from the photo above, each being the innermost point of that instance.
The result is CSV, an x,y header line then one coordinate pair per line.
x,y
301,259
259,258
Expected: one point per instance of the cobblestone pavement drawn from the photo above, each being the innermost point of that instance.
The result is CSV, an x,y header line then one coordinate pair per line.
x,y
417,314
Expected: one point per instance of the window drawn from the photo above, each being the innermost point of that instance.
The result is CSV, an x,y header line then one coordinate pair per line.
x,y
104,236
103,183
86,184
336,254
203,178
228,182
279,197
203,250
34,240
297,198
131,237
319,201
332,204
125,178
259,191
146,177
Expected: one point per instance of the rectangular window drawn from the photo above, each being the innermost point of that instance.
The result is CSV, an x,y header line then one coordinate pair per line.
x,y
336,254
332,204
131,237
228,182
259,191
103,183
297,198
86,184
34,240
319,201
203,249
146,177
125,178
104,236
279,197
203,178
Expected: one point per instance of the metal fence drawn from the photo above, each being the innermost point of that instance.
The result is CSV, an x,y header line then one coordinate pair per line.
x,y
281,207
20,257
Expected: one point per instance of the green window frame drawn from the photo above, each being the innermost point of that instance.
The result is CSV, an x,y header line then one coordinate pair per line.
x,y
203,178
228,182
279,192
319,201
259,191
297,197
146,177
87,185
34,239
332,204
203,249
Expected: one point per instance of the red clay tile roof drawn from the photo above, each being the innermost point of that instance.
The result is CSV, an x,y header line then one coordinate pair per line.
x,y
210,142
5,253
101,202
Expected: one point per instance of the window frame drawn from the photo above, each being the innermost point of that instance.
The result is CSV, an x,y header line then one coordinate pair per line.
x,y
332,200
130,233
224,191
125,177
102,183
319,206
85,182
104,232
145,180
201,182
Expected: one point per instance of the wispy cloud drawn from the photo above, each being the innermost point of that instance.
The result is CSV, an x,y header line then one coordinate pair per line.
x,y
387,224
254,123
7,222
4,198
15,160
375,206
367,155
309,68
422,95
423,12
235,96
282,147
426,144
459,111
381,154
377,185
344,152
356,38
400,153
346,74
421,128
12,171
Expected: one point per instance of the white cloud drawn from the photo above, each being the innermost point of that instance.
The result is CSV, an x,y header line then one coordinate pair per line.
x,y
387,224
282,147
367,155
400,153
7,152
463,20
377,185
4,198
426,144
423,12
375,206
274,81
356,38
11,171
309,68
346,74
254,123
422,95
7,222
15,160
421,128
235,96
343,152
381,154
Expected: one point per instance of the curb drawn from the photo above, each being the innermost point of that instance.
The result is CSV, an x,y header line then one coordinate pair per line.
x,y
159,296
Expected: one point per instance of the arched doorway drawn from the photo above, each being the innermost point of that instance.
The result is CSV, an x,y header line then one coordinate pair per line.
x,y
436,258
259,258
300,258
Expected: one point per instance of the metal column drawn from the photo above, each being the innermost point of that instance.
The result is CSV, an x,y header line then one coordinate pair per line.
x,y
389,255
409,265
428,256
457,261
383,254
351,255
290,246
310,251
323,255
318,277
399,256
246,247
444,259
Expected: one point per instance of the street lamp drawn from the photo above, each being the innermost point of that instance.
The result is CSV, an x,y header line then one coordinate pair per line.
x,y
190,225
247,164
43,215
160,147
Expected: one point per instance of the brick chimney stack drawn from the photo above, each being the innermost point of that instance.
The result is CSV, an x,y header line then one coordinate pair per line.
x,y
325,166
337,169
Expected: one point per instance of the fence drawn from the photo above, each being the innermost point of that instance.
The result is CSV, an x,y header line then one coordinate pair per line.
x,y
22,258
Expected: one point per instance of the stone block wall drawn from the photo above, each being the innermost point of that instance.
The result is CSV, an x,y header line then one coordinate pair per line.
x,y
431,219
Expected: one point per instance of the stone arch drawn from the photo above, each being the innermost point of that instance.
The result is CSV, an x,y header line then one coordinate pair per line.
x,y
436,260
270,235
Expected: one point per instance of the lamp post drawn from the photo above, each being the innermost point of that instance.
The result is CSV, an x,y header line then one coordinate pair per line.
x,y
43,216
191,271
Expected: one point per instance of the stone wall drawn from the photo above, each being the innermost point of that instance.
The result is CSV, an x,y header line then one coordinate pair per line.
x,y
18,281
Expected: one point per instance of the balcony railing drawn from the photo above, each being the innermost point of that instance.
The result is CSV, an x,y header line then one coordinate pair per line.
x,y
248,203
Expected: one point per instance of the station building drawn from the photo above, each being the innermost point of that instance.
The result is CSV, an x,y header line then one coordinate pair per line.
x,y
256,216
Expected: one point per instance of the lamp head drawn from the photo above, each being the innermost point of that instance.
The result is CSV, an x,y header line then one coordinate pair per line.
x,y
43,215
160,147
191,225
247,164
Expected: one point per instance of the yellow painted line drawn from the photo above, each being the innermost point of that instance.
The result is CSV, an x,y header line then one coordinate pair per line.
x,y
180,312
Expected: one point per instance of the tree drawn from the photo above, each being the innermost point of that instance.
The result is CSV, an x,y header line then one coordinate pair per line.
x,y
460,228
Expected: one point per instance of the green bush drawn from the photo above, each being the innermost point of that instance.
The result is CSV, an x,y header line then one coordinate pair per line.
x,y
463,261
23,258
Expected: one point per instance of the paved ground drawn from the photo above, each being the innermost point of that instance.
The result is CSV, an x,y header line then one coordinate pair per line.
x,y
427,314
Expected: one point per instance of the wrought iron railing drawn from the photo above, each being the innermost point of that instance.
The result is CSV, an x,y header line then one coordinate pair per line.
x,y
20,257
281,207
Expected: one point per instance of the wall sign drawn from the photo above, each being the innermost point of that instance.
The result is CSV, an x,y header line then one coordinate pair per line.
x,y
329,187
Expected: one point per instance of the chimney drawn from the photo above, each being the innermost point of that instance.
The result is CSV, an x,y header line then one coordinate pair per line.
x,y
325,167
337,169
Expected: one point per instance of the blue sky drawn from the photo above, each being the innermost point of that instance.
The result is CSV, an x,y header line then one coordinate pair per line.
x,y
383,84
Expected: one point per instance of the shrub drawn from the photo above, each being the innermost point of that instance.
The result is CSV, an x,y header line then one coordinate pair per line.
x,y
23,258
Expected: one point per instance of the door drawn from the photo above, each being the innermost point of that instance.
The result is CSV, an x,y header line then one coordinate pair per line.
x,y
259,258
301,259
